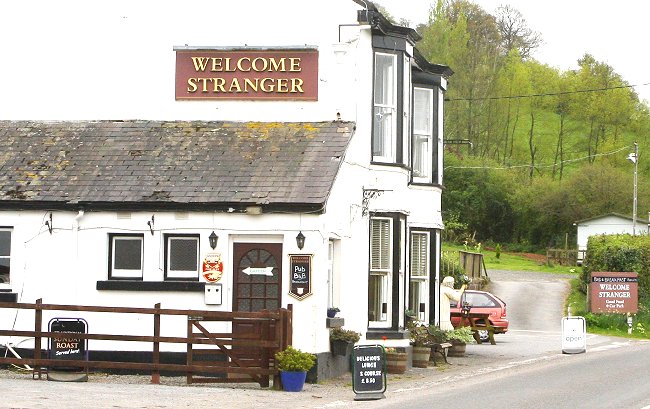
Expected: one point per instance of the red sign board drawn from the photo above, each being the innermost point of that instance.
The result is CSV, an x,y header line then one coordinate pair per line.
x,y
247,74
614,292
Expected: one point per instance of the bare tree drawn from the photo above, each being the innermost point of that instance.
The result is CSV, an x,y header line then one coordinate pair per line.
x,y
515,33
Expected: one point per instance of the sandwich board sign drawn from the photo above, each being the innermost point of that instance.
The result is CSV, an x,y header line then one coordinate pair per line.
x,y
368,372
574,335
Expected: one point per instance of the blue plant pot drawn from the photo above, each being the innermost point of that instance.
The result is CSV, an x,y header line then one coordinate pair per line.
x,y
293,381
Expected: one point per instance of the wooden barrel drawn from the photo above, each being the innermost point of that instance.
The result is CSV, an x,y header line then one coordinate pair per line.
x,y
421,356
396,362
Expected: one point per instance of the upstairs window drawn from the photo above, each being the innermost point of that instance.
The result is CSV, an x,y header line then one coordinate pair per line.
x,y
181,257
422,135
126,256
5,255
385,108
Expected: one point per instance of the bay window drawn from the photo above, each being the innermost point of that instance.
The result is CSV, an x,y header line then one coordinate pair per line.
x,y
385,108
422,135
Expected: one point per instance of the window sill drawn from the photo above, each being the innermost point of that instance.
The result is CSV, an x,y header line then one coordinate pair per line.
x,y
133,285
387,334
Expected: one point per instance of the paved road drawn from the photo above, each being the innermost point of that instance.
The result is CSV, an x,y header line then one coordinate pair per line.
x,y
529,342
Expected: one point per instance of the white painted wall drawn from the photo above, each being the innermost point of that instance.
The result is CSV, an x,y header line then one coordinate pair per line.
x,y
610,224
74,60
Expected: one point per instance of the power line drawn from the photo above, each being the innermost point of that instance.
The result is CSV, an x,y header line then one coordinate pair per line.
x,y
548,94
539,166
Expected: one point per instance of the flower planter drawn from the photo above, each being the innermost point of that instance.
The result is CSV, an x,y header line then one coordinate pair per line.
x,y
457,348
341,347
421,356
396,362
293,381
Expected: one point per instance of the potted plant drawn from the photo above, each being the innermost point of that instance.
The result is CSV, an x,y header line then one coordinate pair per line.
x,y
421,341
395,360
293,365
332,311
342,340
459,338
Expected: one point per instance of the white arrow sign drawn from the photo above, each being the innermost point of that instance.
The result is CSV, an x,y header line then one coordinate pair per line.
x,y
263,271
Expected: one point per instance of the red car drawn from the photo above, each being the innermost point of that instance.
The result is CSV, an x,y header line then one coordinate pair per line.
x,y
483,302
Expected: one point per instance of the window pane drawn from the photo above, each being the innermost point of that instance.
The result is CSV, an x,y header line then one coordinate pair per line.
x,y
5,243
375,298
384,79
422,121
422,132
385,109
183,254
128,254
414,296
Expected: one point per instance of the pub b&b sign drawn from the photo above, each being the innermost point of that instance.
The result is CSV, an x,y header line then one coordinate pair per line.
x,y
614,292
300,280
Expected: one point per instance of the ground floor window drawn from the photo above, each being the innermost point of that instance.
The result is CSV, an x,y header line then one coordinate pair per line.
x,y
5,255
419,269
125,256
381,266
181,257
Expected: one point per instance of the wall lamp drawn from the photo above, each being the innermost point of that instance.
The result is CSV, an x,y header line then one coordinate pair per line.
x,y
150,224
300,240
213,240
49,225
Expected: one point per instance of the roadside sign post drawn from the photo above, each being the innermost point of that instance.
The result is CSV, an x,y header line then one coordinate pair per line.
x,y
369,372
574,335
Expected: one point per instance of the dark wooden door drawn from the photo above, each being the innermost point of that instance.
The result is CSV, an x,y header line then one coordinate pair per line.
x,y
257,286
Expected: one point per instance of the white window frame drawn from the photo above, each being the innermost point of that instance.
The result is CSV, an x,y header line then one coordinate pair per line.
x,y
381,268
181,274
123,273
384,130
419,261
6,278
407,109
422,160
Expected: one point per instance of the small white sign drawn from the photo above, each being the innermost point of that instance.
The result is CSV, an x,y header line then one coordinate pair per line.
x,y
574,335
263,271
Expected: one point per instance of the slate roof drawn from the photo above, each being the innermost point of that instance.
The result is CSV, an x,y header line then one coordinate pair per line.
x,y
158,164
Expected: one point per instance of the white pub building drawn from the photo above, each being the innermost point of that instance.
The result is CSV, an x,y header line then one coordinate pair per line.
x,y
157,152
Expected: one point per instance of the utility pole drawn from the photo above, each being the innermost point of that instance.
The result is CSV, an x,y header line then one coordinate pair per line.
x,y
634,158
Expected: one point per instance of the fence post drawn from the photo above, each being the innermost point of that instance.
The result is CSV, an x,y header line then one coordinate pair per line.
x,y
189,357
38,327
155,374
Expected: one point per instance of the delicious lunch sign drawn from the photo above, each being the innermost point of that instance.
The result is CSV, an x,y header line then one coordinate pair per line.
x,y
247,74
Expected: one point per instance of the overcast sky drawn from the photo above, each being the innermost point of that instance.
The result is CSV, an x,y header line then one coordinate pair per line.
x,y
614,32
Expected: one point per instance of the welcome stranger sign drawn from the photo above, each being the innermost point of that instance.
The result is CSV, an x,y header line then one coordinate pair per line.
x,y
252,74
614,292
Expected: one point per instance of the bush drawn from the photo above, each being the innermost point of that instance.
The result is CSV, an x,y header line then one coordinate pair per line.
x,y
345,335
294,360
462,334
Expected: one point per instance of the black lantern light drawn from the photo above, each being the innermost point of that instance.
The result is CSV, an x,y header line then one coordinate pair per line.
x,y
300,240
213,240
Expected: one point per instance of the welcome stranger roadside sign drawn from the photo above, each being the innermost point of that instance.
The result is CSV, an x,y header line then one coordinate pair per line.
x,y
614,292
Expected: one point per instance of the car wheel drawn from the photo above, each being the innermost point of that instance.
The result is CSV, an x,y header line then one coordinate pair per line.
x,y
483,334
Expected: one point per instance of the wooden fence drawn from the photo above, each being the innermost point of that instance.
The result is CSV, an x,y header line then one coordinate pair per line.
x,y
565,257
237,356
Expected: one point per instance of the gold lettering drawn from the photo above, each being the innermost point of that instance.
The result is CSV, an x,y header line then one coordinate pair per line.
x,y
267,88
218,84
248,83
295,64
241,67
256,66
191,85
234,84
200,63
216,64
277,65
283,85
230,68
296,85
205,83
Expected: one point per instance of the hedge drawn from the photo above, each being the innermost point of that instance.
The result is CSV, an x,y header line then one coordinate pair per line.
x,y
618,252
